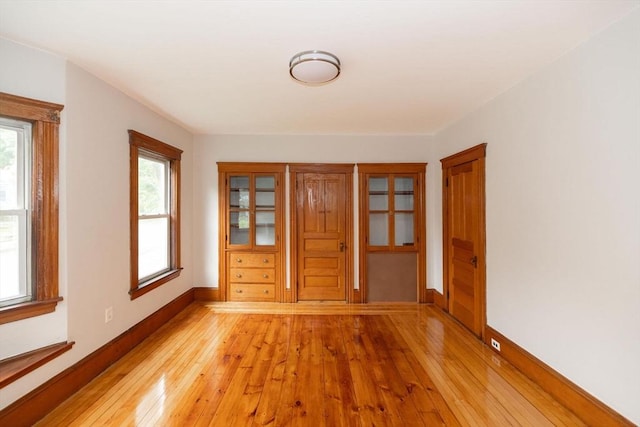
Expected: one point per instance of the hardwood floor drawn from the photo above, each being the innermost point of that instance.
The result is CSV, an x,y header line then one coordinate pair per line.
x,y
237,364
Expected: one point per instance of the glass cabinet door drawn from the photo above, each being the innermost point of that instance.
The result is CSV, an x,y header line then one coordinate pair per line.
x,y
265,210
378,211
391,211
239,209
403,211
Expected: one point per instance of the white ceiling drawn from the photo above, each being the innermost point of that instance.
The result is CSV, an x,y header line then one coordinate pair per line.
x,y
221,67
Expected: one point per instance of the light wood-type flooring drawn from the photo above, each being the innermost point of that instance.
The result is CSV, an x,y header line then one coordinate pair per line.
x,y
233,364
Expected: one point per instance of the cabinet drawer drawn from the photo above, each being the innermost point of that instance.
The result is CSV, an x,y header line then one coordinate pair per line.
x,y
252,292
252,275
238,259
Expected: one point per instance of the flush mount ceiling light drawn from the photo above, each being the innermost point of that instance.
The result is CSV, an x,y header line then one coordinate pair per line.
x,y
314,67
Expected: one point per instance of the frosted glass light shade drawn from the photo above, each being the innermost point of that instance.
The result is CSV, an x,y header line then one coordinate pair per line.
x,y
314,67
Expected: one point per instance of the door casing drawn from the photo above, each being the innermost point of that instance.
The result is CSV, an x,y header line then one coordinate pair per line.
x,y
291,294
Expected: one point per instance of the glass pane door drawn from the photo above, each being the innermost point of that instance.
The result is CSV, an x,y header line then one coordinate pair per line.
x,y
239,210
265,210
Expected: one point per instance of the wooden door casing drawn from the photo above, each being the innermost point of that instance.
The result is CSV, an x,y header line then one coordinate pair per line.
x,y
321,224
464,237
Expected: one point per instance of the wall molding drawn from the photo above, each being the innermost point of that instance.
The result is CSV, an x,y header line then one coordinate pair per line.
x,y
584,405
40,401
435,297
206,294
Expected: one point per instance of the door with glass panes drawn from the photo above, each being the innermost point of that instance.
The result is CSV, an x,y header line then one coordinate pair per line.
x,y
251,256
392,250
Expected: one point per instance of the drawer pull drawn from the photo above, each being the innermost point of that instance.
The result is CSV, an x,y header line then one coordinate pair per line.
x,y
238,291
238,275
239,260
266,260
266,276
266,291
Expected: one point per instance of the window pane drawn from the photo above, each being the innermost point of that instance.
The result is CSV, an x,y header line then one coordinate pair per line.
x,y
152,186
265,228
12,164
153,246
403,229
13,257
378,194
239,192
239,228
378,229
403,193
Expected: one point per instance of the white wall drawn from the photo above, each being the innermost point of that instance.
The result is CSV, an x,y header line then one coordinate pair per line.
x,y
94,213
34,74
281,148
563,213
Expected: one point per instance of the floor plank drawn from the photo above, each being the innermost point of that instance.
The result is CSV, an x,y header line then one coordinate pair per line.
x,y
323,364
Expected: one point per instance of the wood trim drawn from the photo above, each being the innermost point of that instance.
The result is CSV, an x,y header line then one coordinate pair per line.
x,y
18,366
340,168
154,283
470,154
27,309
30,109
429,296
36,404
206,294
248,167
148,146
438,299
222,232
583,404
346,168
44,199
422,237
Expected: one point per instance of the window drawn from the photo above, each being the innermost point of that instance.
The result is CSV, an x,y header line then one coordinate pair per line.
x,y
28,207
155,213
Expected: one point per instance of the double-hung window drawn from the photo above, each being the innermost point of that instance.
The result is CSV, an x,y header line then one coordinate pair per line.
x,y
15,166
155,213
28,207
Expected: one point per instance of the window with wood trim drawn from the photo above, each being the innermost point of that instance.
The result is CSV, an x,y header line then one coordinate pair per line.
x,y
28,207
155,213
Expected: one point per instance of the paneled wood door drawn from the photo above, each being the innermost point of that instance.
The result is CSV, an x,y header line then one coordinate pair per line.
x,y
322,241
464,237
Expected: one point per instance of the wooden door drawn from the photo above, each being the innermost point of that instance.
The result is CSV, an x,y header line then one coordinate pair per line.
x,y
464,235
321,236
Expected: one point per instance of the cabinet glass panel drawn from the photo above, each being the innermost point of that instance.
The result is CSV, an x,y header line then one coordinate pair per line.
x,y
265,228
403,223
239,223
378,229
239,192
378,193
403,193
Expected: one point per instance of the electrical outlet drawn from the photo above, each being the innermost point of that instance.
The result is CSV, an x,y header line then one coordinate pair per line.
x,y
495,344
108,314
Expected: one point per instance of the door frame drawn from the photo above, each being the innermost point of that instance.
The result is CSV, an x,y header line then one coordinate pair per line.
x,y
418,169
478,153
291,294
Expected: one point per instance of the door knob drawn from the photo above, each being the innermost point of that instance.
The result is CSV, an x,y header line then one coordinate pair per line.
x,y
474,261
341,246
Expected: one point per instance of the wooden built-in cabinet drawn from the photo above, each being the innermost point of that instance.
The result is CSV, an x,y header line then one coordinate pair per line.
x,y
251,203
392,231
